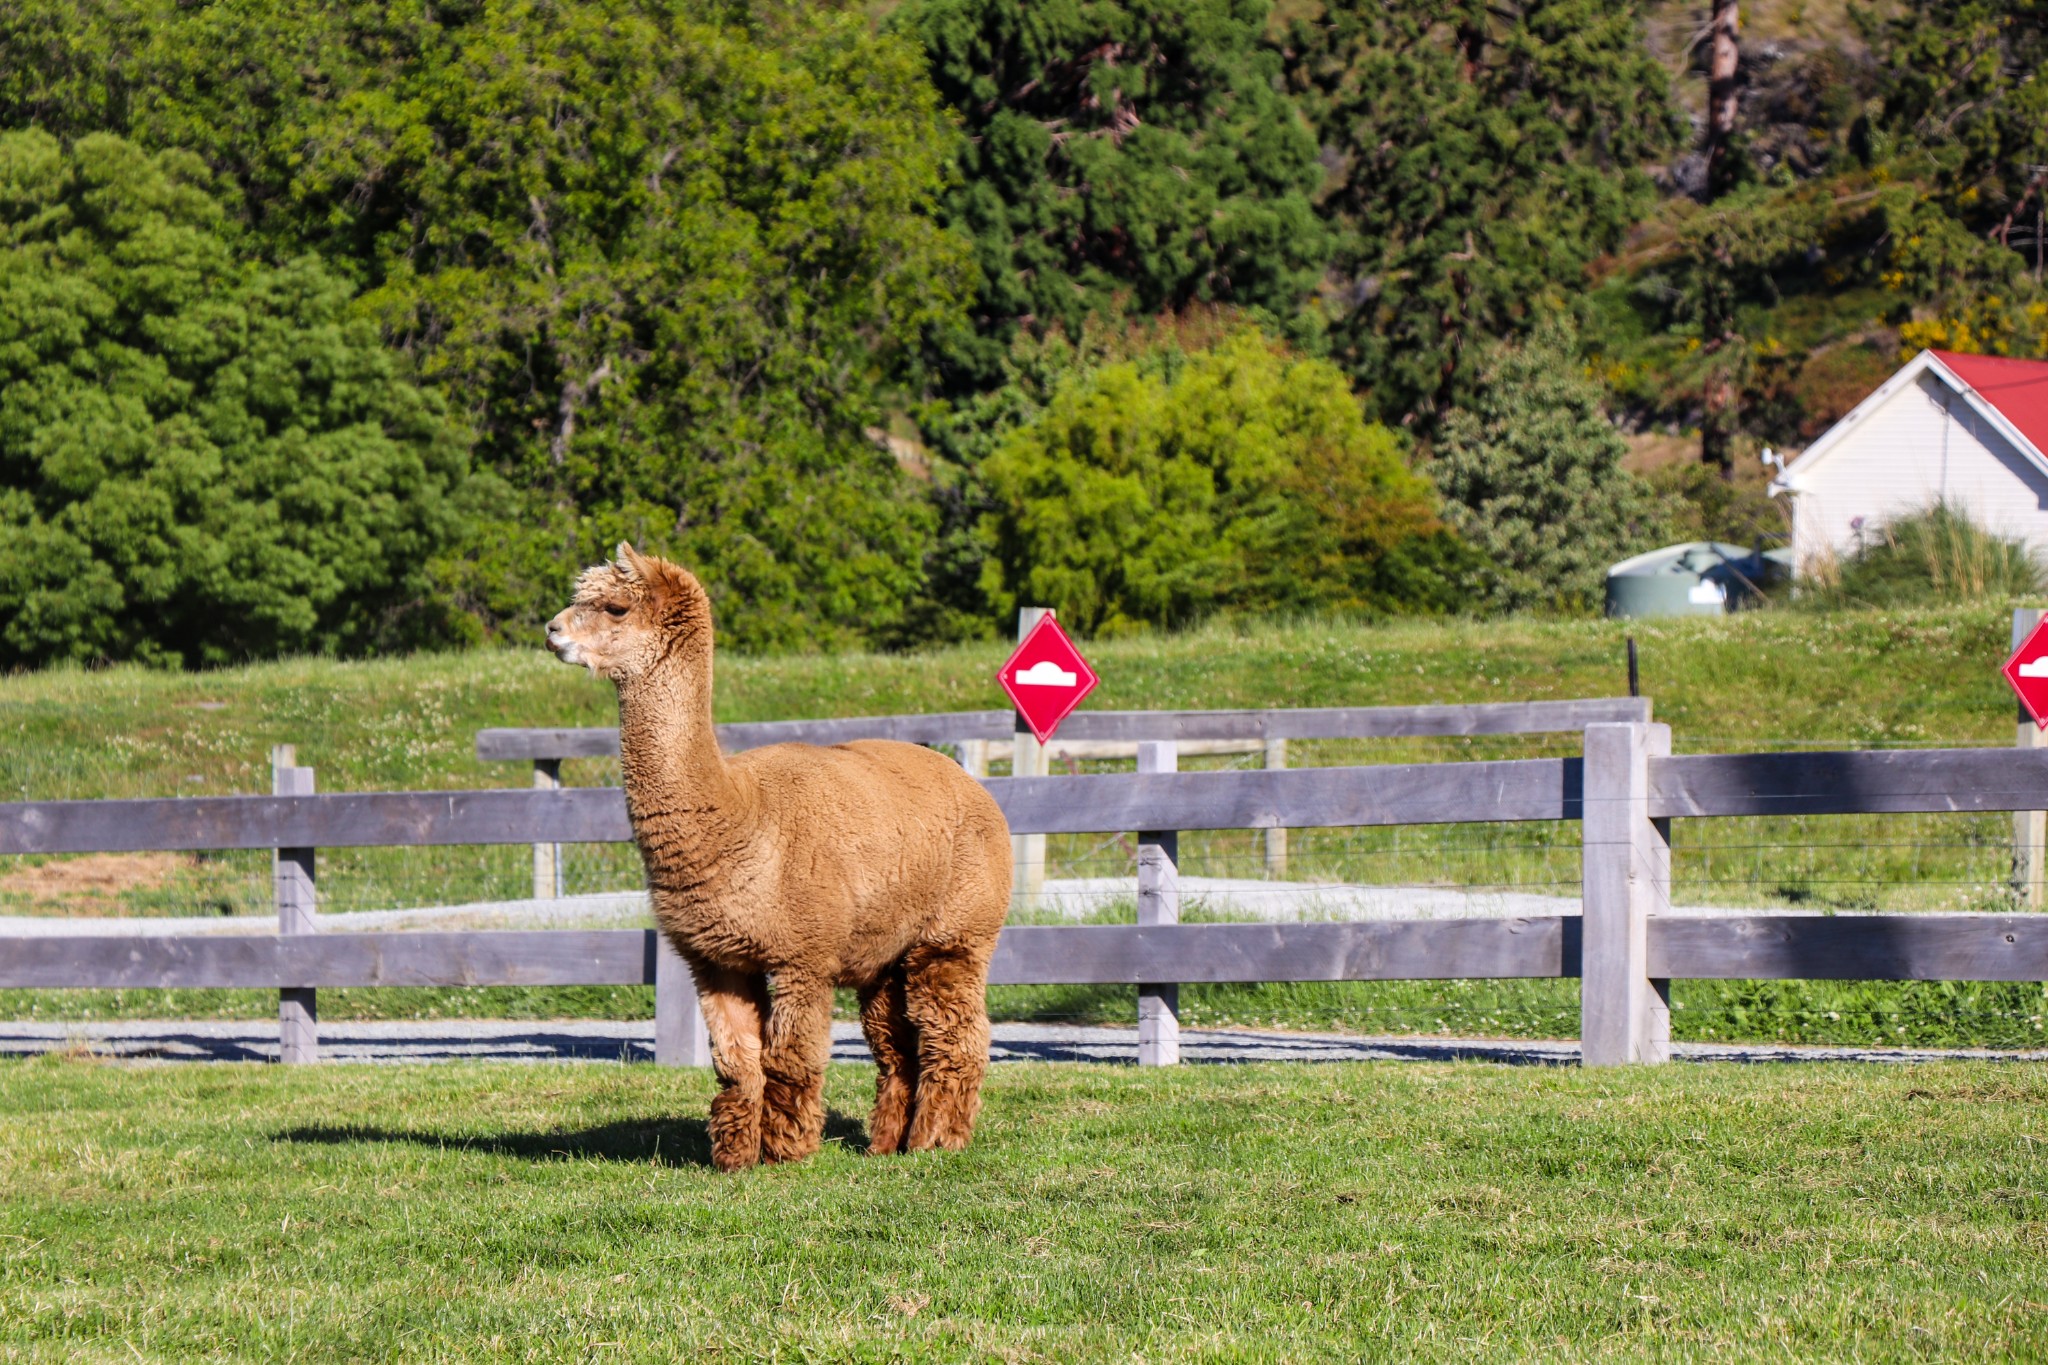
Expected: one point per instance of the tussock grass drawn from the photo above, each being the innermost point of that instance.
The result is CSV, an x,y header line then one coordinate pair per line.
x,y
1938,554
1427,1212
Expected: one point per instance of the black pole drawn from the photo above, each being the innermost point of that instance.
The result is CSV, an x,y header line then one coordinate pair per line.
x,y
1635,686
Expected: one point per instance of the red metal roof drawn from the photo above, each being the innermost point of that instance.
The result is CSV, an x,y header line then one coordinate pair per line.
x,y
2017,388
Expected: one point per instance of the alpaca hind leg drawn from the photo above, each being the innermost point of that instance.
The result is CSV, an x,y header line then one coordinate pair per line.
x,y
947,1000
797,1046
735,1008
893,1042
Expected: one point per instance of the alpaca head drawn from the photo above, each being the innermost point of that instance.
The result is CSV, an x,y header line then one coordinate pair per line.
x,y
630,615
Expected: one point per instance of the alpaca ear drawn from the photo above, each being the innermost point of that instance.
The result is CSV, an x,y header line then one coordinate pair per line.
x,y
629,560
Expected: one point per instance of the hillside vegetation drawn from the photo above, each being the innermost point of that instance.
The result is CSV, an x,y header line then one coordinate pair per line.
x,y
834,303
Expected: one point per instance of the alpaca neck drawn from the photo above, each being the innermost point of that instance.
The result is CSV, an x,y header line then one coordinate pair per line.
x,y
676,780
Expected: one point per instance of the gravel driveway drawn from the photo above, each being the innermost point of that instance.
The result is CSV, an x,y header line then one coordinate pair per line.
x,y
605,1041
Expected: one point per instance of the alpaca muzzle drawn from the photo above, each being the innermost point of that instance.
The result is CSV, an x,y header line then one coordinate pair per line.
x,y
560,644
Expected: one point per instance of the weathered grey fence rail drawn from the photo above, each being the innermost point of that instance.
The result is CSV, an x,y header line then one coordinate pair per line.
x,y
972,734
1338,722
1625,790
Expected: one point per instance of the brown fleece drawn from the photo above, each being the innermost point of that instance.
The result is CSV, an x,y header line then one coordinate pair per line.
x,y
785,871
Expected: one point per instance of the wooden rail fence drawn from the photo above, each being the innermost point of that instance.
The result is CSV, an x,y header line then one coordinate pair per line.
x,y
1624,948
976,736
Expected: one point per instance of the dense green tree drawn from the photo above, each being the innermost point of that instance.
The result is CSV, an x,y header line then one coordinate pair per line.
x,y
1120,153
1152,493
1964,114
202,458
1965,80
1531,474
665,256
1485,153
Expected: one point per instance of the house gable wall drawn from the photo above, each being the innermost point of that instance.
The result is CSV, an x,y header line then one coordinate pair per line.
x,y
1925,442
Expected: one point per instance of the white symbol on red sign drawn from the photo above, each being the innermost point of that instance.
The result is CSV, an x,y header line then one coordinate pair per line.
x,y
2027,671
1046,678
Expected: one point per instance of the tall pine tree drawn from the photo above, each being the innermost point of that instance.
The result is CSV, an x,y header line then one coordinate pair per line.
x,y
1120,153
1484,153
1531,474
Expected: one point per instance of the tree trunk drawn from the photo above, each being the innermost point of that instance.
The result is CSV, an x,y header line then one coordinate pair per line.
x,y
1722,62
1717,425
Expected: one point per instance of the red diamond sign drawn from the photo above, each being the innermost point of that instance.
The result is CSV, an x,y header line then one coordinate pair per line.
x,y
1046,677
2027,671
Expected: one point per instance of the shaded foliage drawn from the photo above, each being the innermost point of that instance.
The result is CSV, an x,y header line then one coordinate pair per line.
x,y
1483,155
1120,154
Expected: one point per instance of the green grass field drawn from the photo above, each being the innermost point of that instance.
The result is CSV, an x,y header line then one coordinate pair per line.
x,y
1762,680
1278,1213
1756,680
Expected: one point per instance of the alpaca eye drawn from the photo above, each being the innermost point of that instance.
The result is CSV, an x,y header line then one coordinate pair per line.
x,y
615,611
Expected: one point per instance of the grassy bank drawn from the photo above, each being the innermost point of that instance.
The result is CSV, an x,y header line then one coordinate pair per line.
x,y
1762,680
1767,678
1428,1212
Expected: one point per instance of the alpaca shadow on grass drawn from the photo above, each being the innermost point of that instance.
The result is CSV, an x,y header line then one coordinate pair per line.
x,y
661,1142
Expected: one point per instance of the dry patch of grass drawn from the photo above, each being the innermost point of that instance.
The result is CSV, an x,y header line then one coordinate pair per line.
x,y
88,885
1651,450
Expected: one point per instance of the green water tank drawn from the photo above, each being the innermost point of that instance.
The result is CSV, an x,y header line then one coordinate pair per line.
x,y
1698,578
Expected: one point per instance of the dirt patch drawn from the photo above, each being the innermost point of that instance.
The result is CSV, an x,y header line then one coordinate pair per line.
x,y
94,877
1650,450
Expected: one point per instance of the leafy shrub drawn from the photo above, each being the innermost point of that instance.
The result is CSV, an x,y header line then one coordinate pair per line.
x,y
1937,554
1531,474
1152,493
202,458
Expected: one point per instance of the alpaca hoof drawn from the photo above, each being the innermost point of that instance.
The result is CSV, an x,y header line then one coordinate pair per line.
x,y
733,1162
890,1120
943,1121
940,1142
735,1132
777,1148
792,1121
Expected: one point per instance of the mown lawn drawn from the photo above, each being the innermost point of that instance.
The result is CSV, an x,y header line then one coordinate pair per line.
x,y
1402,1211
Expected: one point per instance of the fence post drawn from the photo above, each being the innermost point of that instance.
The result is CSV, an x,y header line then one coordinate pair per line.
x,y
291,883
2029,827
1027,759
973,755
1276,837
680,1038
1158,903
547,858
1625,1015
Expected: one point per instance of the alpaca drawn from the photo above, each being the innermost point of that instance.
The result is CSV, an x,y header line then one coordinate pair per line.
x,y
785,871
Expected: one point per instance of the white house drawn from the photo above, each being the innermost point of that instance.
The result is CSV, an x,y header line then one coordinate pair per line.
x,y
1969,429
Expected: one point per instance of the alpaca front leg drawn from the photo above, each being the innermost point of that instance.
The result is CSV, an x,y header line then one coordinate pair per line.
x,y
798,1045
893,1042
947,1000
735,1013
